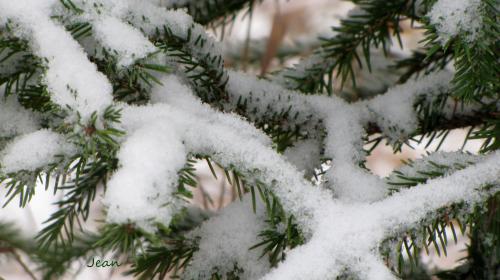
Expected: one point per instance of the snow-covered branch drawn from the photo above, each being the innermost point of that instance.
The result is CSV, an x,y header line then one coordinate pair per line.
x,y
182,103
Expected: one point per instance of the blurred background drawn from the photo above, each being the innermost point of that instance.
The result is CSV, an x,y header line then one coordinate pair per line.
x,y
273,35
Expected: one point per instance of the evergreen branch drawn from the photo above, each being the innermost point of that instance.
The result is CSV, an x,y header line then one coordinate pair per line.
x,y
54,262
187,177
281,233
22,184
30,96
204,70
80,30
433,166
120,238
373,26
91,168
158,260
132,84
433,231
23,78
482,261
70,5
436,120
81,192
420,62
477,69
490,133
276,124
168,250
214,12
231,275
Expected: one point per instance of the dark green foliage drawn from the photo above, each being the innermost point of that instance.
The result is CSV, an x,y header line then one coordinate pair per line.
x,y
435,125
81,192
204,71
281,233
23,77
119,238
68,4
187,178
89,168
215,12
434,232
483,259
166,250
372,26
491,135
432,170
55,261
275,124
80,30
232,275
157,261
422,64
132,84
476,63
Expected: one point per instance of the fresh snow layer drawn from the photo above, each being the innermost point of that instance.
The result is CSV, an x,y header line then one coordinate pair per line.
x,y
453,160
343,221
345,123
305,155
456,17
34,150
141,190
122,40
172,91
226,240
77,84
14,119
204,131
349,234
394,112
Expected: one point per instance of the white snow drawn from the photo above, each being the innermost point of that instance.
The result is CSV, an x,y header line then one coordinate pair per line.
x,y
344,123
77,84
253,157
348,234
454,17
141,189
264,98
454,160
111,30
173,92
121,39
305,155
14,119
198,43
225,242
316,62
343,220
394,112
342,232
345,127
34,150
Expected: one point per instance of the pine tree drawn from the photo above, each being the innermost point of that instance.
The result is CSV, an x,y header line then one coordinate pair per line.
x,y
125,96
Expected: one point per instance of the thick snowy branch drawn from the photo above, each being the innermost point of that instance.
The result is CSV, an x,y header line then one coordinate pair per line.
x,y
77,85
